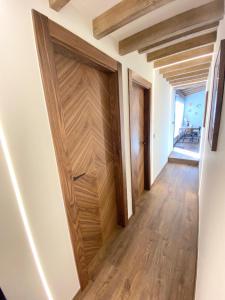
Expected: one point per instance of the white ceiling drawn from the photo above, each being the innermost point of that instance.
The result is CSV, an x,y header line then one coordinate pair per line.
x,y
90,9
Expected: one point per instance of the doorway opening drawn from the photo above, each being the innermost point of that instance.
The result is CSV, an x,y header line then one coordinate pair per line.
x,y
189,107
139,106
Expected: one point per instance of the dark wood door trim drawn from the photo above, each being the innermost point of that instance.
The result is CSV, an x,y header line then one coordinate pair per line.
x,y
47,34
205,109
81,48
134,78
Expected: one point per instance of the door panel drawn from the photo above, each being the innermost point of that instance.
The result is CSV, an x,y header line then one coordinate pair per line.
x,y
89,204
86,114
137,140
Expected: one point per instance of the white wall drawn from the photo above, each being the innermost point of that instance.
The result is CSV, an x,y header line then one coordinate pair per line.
x,y
162,127
179,114
24,120
211,252
14,247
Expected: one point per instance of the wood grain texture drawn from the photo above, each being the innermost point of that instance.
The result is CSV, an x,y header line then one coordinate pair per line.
x,y
188,64
199,68
178,85
155,256
48,72
191,86
183,22
117,113
65,71
123,13
178,36
217,96
147,141
81,49
185,156
183,56
188,75
192,90
189,80
183,161
139,113
58,4
85,102
206,107
137,141
180,93
195,42
139,80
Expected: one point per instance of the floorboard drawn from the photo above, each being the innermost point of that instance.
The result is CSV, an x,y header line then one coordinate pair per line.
x,y
154,258
185,153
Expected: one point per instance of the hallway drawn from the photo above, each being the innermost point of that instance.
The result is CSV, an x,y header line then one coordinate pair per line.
x,y
155,256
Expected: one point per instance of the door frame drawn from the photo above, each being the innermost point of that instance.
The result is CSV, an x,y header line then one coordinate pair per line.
x,y
134,78
47,34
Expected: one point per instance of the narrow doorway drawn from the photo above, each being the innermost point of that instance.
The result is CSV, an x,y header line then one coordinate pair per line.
x,y
189,107
139,105
82,91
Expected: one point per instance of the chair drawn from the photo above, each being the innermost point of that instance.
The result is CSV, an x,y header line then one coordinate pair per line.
x,y
188,135
197,134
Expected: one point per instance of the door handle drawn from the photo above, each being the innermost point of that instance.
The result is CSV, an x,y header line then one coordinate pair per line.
x,y
74,178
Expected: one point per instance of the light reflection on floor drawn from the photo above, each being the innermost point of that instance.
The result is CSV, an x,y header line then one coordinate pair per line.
x,y
184,150
190,153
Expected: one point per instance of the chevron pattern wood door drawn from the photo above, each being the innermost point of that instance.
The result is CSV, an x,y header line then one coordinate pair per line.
x,y
137,140
86,115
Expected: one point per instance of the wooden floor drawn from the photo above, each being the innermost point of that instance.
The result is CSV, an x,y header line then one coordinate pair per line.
x,y
185,153
154,257
192,147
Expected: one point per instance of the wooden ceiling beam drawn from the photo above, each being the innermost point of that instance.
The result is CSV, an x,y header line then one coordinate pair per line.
x,y
193,44
200,16
187,79
194,78
200,68
192,85
176,86
180,93
187,90
193,91
183,56
57,4
196,91
186,64
182,82
123,13
187,75
212,26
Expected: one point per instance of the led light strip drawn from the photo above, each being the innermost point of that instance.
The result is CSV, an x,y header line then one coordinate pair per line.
x,y
23,214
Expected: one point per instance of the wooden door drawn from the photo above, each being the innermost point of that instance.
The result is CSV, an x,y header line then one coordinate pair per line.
x,y
139,98
137,140
86,114
82,88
